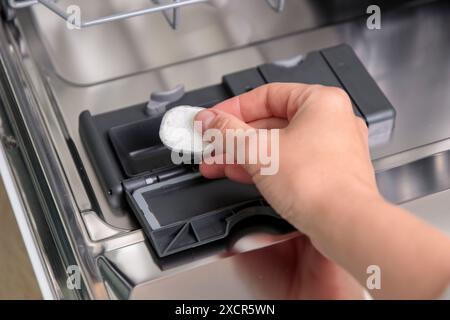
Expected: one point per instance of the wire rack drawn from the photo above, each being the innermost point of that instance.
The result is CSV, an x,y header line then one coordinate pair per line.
x,y
170,10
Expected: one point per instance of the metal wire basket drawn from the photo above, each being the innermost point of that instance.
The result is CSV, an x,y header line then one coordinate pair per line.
x,y
170,10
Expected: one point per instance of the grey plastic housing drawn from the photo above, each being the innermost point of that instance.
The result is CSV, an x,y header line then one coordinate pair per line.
x,y
190,211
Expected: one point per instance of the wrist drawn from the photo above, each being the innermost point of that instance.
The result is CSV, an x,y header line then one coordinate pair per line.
x,y
337,213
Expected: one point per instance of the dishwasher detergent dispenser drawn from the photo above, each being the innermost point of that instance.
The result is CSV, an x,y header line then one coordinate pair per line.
x,y
177,208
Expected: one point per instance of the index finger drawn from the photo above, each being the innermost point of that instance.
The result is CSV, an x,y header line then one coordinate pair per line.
x,y
276,100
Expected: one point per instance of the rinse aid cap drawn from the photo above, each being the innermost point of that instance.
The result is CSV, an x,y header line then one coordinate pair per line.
x,y
177,131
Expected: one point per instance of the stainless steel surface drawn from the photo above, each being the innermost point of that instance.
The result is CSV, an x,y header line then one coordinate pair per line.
x,y
17,4
33,165
277,5
63,13
146,44
70,71
416,179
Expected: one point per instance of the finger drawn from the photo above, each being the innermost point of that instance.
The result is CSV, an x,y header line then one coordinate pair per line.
x,y
269,123
268,101
237,173
363,130
213,167
212,171
216,167
230,128
233,172
362,126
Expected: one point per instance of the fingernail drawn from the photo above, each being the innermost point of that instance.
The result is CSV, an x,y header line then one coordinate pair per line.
x,y
206,117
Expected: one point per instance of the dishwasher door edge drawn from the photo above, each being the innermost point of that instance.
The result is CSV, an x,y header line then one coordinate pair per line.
x,y
36,257
41,184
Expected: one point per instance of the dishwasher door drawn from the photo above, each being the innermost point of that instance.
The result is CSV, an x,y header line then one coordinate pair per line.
x,y
83,248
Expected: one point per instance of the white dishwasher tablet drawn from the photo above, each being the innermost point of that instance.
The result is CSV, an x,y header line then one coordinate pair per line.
x,y
177,131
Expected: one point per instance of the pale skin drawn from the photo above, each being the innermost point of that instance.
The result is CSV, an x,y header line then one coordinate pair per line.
x,y
326,188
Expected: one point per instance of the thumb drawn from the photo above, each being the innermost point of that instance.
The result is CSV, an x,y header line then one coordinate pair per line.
x,y
239,140
220,120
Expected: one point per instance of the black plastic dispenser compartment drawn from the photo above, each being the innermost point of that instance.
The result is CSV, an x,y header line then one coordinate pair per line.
x,y
177,208
139,147
189,211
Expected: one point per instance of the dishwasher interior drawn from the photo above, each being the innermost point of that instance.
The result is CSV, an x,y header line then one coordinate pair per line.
x,y
103,75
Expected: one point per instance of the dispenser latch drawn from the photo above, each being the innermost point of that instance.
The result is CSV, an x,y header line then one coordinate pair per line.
x,y
159,100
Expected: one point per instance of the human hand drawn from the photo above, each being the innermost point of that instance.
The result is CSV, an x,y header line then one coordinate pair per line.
x,y
323,149
326,187
324,158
